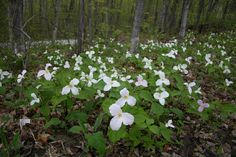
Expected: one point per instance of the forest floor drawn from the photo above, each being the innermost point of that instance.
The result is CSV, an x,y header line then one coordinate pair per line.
x,y
210,133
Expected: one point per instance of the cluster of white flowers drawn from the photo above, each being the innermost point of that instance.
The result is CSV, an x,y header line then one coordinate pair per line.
x,y
162,94
182,68
148,63
171,54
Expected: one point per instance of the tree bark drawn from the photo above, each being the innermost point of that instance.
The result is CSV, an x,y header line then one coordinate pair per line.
x,y
199,12
211,6
136,25
172,17
225,10
81,28
164,14
56,19
90,33
16,24
184,18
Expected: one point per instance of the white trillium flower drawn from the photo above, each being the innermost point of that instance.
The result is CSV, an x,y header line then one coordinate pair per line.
x,y
207,58
21,76
162,79
35,99
47,75
3,74
169,124
71,87
125,97
67,65
189,86
140,81
228,82
161,97
99,94
110,83
119,117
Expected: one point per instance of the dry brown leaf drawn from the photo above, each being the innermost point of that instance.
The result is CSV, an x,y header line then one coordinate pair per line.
x,y
43,138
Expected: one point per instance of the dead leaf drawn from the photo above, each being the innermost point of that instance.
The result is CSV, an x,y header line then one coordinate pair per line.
x,y
43,138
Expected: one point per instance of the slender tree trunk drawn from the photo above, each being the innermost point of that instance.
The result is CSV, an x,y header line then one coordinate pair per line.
x,y
56,19
225,9
9,9
81,27
199,12
184,18
172,18
164,14
211,6
136,25
90,33
16,13
97,17
31,7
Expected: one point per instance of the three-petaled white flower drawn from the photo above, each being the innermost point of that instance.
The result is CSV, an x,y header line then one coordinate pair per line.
x,y
35,99
125,97
110,83
3,74
161,96
119,117
71,87
162,80
228,82
47,75
189,86
67,65
21,76
207,58
140,81
169,124
202,105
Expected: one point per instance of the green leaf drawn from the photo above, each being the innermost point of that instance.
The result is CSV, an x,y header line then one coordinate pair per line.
x,y
165,132
76,129
146,95
178,112
97,141
2,90
157,109
106,104
45,110
154,129
115,136
53,121
57,100
98,121
77,116
86,93
16,144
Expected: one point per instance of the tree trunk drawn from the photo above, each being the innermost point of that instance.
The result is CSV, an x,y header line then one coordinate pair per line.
x,y
225,10
56,19
164,14
136,25
211,6
90,33
172,17
31,8
81,27
199,12
184,18
16,13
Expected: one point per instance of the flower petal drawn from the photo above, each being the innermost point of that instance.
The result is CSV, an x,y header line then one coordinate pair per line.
x,y
121,102
127,118
74,91
47,76
75,81
124,92
115,123
115,109
40,73
65,90
200,108
162,101
131,101
107,87
115,84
